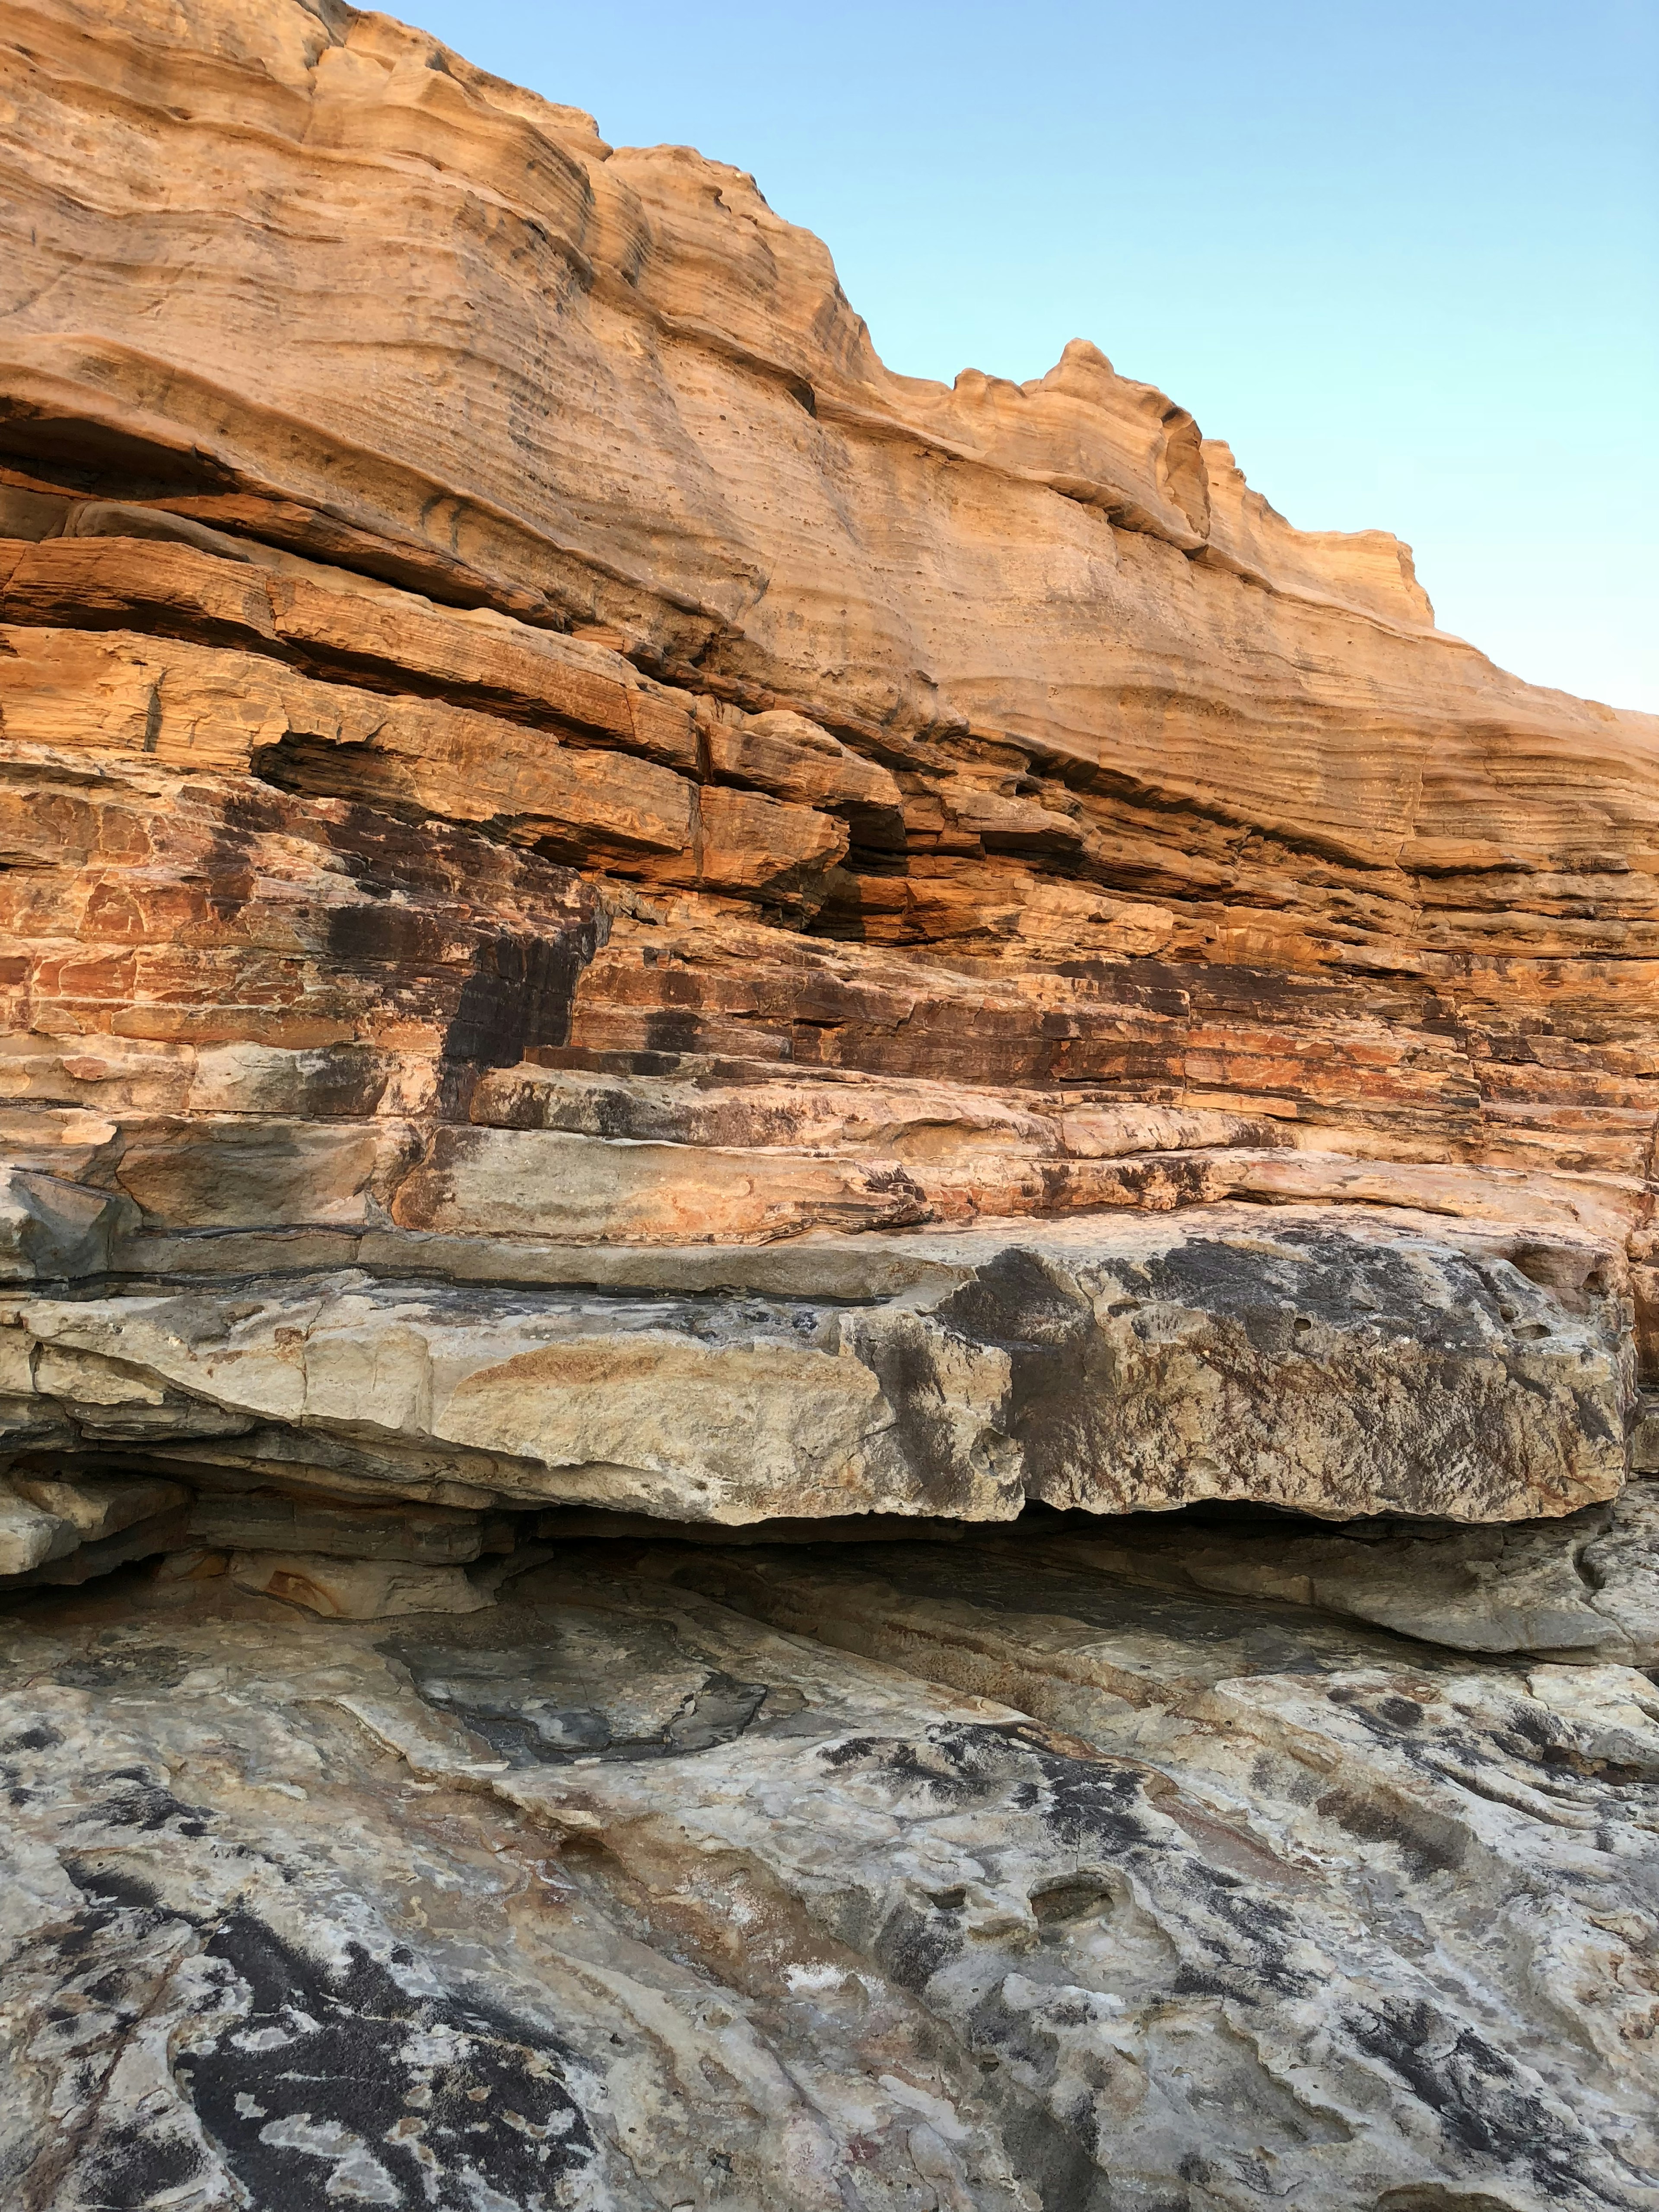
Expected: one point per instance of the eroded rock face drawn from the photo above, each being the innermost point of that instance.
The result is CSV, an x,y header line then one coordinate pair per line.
x,y
891,1876
809,900
1312,1360
616,922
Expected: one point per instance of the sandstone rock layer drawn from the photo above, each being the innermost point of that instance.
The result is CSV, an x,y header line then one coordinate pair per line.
x,y
533,763
829,1300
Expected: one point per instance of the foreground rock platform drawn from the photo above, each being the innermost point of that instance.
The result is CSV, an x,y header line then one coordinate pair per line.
x,y
890,1875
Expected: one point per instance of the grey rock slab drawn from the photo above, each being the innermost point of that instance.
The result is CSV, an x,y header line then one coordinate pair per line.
x,y
1289,1912
1585,1586
1316,1360
1621,1564
1092,1654
52,1230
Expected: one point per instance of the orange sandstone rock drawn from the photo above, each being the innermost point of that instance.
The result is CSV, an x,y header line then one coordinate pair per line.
x,y
530,758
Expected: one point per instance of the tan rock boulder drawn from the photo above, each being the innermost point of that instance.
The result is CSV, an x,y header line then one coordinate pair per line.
x,y
354,1589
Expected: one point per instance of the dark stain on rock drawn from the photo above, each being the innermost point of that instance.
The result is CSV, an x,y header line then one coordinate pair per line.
x,y
951,1764
118,1662
1428,1845
135,2162
1401,1712
42,1737
1049,1332
140,1802
1315,1276
1096,1806
342,2080
518,996
913,1946
906,1362
673,1030
114,1885
528,1719
386,935
1483,2105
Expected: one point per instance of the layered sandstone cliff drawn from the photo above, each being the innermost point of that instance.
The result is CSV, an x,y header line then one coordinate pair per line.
x,y
617,922
536,764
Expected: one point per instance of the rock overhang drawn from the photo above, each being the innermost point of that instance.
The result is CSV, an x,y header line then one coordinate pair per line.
x,y
1313,1359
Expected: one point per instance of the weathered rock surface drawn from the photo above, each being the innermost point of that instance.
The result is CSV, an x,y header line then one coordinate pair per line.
x,y
580,780
1313,1359
913,1875
613,919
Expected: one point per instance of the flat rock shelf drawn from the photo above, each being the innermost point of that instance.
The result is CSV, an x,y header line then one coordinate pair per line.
x,y
973,1874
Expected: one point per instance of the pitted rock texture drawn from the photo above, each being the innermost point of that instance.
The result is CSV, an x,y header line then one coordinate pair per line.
x,y
780,1880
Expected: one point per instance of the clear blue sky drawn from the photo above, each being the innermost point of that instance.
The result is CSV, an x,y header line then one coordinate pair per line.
x,y
1405,259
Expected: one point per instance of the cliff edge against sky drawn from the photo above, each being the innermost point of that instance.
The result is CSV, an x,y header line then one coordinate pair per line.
x,y
620,927
539,763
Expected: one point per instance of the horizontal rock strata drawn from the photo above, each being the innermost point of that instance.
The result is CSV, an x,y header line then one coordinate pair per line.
x,y
828,1292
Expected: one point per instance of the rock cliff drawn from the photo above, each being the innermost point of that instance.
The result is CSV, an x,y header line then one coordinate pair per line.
x,y
624,932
